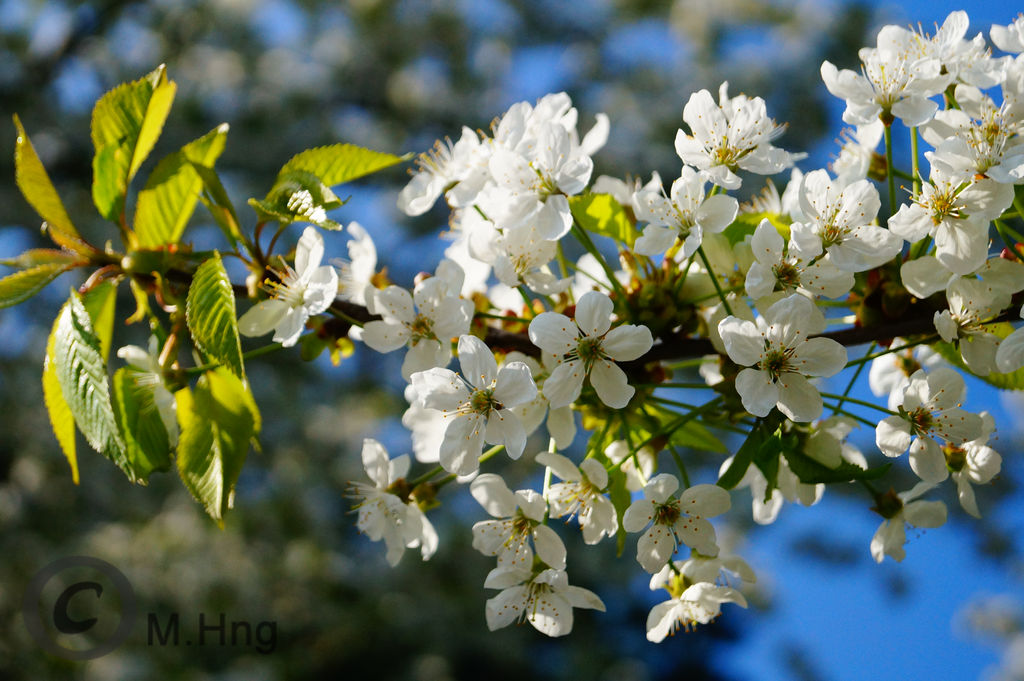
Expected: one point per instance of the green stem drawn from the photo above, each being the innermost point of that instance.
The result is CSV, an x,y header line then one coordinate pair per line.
x,y
853,379
587,243
906,346
258,352
915,170
890,176
862,403
445,480
714,280
697,386
679,464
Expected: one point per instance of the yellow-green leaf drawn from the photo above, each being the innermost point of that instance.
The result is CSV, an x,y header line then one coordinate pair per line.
x,y
126,123
169,198
34,257
20,286
35,185
299,196
100,302
216,200
602,214
211,317
339,163
218,420
61,420
82,375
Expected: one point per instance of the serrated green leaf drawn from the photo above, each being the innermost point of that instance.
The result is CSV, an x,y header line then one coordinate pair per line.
x,y
339,163
299,196
147,444
34,257
210,313
1011,381
101,302
20,286
82,375
218,419
126,123
169,197
61,420
602,214
35,185
812,472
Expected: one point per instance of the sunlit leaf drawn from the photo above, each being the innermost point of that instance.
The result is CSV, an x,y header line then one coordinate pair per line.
x,y
169,197
299,196
211,317
100,302
339,163
20,286
602,214
218,419
126,123
81,373
61,419
34,257
35,185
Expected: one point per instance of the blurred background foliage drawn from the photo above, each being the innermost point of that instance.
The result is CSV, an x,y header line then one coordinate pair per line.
x,y
392,75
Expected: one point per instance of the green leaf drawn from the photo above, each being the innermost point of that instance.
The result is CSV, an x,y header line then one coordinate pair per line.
x,y
812,472
216,200
100,302
61,420
147,444
602,214
82,375
38,190
745,224
210,313
34,257
169,197
694,435
1011,381
339,163
20,286
299,196
766,458
218,419
126,123
756,438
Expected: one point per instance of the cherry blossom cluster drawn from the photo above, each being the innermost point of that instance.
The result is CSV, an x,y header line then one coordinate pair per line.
x,y
681,290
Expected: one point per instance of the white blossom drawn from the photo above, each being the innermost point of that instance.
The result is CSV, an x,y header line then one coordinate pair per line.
x,y
904,509
930,409
588,347
581,495
477,408
782,356
383,514
307,290
673,520
544,599
520,519
734,134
